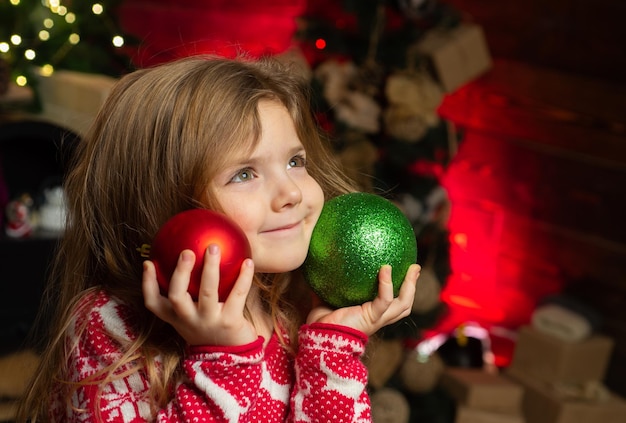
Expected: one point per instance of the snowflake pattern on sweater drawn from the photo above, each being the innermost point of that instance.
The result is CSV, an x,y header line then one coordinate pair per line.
x,y
326,382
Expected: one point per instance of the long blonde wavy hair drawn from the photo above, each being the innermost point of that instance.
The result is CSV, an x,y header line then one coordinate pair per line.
x,y
153,148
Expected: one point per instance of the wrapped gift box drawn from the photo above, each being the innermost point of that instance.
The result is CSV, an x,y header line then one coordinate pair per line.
x,y
477,389
471,415
545,403
548,358
456,55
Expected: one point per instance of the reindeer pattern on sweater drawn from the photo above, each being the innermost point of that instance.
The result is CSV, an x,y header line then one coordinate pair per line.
x,y
325,382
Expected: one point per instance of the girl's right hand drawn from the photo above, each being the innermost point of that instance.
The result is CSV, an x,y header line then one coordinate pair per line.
x,y
207,321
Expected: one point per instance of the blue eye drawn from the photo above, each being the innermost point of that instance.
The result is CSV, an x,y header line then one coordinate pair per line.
x,y
243,175
297,161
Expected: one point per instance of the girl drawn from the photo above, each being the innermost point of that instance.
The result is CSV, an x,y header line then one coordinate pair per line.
x,y
229,135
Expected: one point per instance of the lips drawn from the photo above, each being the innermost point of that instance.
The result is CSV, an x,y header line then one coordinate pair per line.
x,y
284,228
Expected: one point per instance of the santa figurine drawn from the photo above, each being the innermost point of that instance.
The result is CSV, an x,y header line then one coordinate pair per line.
x,y
19,217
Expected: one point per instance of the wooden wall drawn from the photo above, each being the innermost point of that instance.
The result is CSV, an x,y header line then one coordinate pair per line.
x,y
584,37
549,123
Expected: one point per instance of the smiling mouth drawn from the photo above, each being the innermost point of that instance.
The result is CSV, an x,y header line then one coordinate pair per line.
x,y
284,228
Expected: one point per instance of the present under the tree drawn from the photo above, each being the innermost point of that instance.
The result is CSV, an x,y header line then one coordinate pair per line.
x,y
72,99
456,55
551,359
472,415
478,389
549,402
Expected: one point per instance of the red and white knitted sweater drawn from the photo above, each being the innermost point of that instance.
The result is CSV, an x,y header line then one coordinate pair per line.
x,y
249,383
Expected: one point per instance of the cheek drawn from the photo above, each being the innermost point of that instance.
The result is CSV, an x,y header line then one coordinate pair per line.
x,y
317,200
244,213
250,225
247,222
315,205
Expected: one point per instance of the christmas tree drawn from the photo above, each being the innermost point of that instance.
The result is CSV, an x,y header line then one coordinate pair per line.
x,y
42,36
378,99
377,90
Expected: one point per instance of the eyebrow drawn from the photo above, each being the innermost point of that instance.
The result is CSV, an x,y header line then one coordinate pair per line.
x,y
253,160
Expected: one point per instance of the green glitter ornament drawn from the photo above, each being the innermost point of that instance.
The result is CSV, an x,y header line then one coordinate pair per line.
x,y
355,235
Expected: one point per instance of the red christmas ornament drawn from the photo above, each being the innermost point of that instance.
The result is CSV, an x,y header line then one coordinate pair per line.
x,y
195,230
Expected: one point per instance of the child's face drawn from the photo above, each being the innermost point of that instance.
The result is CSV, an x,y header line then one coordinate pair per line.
x,y
271,195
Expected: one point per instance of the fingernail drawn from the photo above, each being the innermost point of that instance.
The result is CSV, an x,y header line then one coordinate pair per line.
x,y
214,249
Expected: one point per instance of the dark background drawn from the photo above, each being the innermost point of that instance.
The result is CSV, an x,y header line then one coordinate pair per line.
x,y
545,151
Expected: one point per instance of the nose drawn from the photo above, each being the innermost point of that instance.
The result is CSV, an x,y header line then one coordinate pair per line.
x,y
287,193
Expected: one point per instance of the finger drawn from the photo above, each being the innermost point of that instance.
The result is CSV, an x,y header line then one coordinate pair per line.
x,y
381,303
209,283
385,284
149,285
179,282
410,281
236,300
153,300
402,305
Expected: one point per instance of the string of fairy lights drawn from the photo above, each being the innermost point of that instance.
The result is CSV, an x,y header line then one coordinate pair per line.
x,y
38,36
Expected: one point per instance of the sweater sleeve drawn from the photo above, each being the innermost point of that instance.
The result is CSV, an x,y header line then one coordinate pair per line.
x,y
220,384
331,379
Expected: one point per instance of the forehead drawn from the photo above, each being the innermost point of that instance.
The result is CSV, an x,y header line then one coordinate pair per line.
x,y
270,126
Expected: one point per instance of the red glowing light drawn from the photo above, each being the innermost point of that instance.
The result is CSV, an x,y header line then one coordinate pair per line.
x,y
320,43
460,239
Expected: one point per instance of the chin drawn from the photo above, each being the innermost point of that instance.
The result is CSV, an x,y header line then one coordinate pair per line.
x,y
280,264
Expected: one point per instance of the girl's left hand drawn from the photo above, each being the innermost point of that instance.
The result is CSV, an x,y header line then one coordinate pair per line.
x,y
373,315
